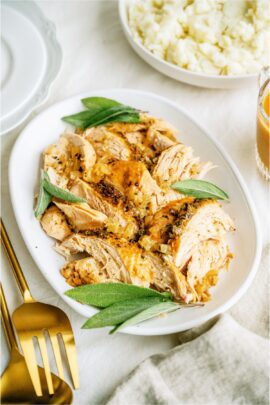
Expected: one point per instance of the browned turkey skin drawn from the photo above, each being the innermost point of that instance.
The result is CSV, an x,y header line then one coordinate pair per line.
x,y
134,228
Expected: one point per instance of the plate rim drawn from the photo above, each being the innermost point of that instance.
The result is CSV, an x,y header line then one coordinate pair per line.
x,y
47,30
122,9
138,330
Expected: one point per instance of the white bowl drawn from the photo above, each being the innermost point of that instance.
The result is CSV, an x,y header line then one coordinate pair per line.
x,y
174,71
245,242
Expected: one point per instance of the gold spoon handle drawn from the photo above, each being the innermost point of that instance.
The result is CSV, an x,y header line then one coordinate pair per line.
x,y
11,339
15,265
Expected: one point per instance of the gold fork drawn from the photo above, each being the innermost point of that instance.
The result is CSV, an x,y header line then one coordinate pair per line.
x,y
32,320
16,370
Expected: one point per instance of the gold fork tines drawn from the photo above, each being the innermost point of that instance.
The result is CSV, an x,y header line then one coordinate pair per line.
x,y
57,355
70,349
45,359
34,320
16,385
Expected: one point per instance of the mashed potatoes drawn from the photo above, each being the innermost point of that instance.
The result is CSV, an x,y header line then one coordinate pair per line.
x,y
219,37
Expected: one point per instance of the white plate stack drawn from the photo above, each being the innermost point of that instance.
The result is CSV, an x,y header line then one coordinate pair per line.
x,y
31,58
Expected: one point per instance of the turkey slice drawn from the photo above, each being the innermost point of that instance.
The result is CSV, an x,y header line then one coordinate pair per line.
x,y
81,217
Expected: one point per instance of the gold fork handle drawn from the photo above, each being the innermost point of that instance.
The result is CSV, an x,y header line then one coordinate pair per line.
x,y
7,322
15,265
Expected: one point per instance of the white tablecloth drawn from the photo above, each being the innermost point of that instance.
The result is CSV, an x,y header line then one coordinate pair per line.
x,y
96,56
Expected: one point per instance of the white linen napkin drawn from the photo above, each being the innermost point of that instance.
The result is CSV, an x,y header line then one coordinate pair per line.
x,y
226,365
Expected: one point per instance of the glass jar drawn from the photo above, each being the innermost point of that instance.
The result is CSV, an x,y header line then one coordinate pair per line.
x,y
263,125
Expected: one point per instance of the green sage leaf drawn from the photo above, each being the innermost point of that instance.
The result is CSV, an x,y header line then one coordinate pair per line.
x,y
148,313
59,192
80,119
200,189
120,312
105,294
108,114
88,118
44,199
99,102
132,118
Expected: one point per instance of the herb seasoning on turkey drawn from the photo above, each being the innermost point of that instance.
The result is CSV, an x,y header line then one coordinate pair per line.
x,y
130,224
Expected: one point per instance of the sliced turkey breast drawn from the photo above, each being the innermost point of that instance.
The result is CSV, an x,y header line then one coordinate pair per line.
x,y
117,261
134,227
135,182
168,219
176,163
89,271
149,270
119,222
107,143
81,217
171,163
204,220
55,156
71,246
147,138
106,257
134,138
160,135
123,128
56,179
134,135
73,156
157,140
139,267
54,223
160,199
168,278
164,127
124,256
210,255
84,271
55,163
100,196
183,224
199,170
82,154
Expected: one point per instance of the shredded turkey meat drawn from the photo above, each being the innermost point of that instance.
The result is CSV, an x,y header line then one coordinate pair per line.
x,y
133,227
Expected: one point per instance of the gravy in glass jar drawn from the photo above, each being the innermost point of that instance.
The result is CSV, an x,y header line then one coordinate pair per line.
x,y
263,128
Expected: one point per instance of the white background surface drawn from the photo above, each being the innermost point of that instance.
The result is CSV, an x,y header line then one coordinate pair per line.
x,y
96,55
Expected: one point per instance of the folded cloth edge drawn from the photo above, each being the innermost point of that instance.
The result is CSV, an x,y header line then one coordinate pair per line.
x,y
158,379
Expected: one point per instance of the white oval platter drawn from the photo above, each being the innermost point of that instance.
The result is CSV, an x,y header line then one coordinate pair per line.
x,y
245,242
